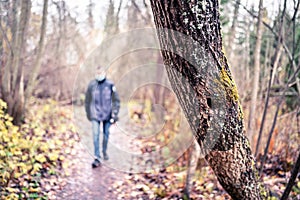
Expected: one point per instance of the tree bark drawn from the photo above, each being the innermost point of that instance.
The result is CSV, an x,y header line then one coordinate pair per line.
x,y
256,73
191,45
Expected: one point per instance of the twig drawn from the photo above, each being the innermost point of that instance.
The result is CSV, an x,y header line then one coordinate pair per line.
x,y
275,181
287,114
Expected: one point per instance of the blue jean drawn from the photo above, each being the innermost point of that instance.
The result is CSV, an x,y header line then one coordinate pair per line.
x,y
96,133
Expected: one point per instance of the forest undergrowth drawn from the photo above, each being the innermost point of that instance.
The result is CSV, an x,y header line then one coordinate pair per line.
x,y
36,158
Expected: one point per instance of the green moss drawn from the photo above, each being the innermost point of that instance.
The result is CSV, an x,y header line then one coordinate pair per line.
x,y
229,85
231,89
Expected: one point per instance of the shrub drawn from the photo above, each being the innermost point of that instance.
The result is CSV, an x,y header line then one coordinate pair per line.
x,y
33,151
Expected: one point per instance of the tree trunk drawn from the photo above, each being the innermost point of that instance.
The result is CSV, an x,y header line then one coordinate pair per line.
x,y
187,186
13,83
247,57
37,63
110,21
232,30
91,21
256,73
191,45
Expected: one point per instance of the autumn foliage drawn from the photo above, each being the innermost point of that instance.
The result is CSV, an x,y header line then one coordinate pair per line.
x,y
34,152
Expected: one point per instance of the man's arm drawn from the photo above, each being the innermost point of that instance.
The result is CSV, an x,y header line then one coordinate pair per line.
x,y
87,102
115,103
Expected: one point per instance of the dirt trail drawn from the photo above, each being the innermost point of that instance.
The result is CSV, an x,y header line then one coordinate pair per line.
x,y
87,183
84,182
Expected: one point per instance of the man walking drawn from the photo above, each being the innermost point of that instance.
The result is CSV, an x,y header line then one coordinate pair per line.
x,y
102,104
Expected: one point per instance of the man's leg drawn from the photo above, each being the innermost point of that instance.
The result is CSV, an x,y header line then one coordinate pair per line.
x,y
96,133
106,125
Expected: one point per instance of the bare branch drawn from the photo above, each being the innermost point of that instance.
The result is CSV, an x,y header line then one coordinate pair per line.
x,y
119,8
296,10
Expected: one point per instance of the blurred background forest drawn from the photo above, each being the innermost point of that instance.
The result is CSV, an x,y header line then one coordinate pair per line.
x,y
43,44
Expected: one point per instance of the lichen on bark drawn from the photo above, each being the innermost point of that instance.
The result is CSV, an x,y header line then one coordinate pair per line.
x,y
229,85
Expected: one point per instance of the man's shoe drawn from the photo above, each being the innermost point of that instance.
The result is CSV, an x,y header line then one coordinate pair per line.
x,y
105,156
96,163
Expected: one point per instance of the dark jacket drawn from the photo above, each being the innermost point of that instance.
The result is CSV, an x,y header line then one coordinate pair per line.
x,y
101,101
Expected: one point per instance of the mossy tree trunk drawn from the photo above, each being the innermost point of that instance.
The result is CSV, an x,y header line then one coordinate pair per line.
x,y
200,76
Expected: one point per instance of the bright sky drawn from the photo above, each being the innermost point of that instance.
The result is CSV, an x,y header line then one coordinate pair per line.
x,y
271,5
79,8
99,12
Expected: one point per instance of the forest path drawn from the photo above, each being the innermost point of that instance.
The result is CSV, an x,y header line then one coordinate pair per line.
x,y
84,182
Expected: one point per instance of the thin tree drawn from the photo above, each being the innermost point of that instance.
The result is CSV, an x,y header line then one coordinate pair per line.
x,y
273,69
256,73
40,50
233,29
90,15
188,172
111,26
200,76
